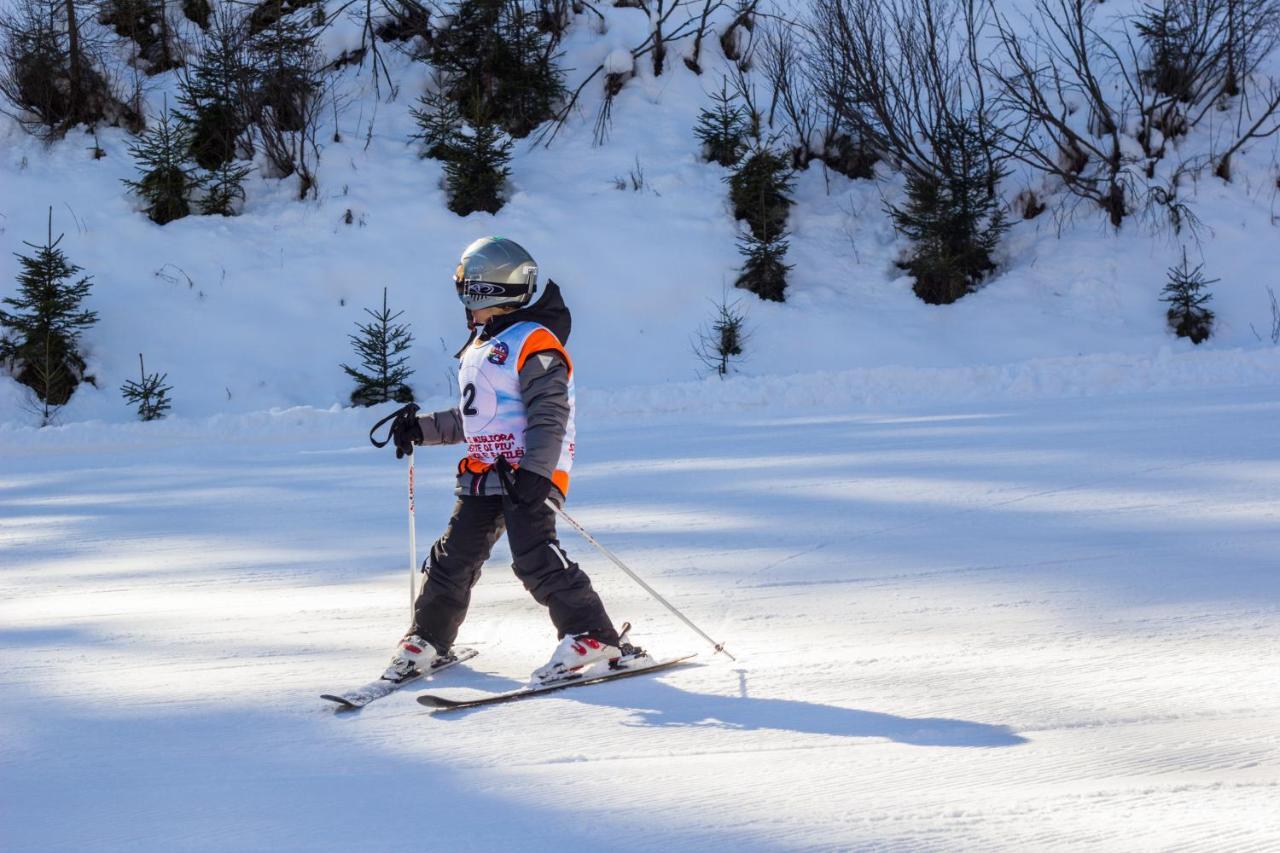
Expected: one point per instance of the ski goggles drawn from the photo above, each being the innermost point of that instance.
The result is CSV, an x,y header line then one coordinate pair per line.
x,y
476,294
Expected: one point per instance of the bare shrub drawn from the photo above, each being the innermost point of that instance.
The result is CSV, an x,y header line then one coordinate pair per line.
x,y
51,73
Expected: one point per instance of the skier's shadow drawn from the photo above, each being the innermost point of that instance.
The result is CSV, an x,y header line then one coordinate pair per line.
x,y
662,705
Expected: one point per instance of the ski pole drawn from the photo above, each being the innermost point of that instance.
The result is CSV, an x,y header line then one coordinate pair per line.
x,y
719,647
398,418
413,545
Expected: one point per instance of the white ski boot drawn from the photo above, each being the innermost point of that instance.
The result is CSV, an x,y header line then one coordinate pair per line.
x,y
413,656
577,652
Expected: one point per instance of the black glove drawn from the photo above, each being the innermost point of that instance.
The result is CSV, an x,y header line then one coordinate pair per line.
x,y
524,487
531,489
406,432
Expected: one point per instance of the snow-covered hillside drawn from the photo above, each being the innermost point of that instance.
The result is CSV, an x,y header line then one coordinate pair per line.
x,y
253,312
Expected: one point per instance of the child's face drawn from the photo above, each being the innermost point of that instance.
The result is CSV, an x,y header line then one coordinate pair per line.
x,y
483,315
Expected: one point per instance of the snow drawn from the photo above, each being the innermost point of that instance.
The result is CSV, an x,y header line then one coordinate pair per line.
x,y
1024,624
998,575
619,61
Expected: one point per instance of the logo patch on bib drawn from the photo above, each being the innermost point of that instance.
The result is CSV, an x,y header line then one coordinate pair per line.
x,y
499,353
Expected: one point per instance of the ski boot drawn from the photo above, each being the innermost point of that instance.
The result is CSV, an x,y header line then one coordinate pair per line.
x,y
576,652
414,656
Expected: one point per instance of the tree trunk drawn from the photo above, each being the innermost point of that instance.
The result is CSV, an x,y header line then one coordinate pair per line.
x,y
76,94
659,46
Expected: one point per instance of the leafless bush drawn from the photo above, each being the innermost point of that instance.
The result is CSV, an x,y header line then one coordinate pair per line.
x,y
1176,64
670,21
807,96
146,23
1189,58
1165,205
862,49
405,20
1256,116
51,73
293,83
1063,122
1275,319
903,77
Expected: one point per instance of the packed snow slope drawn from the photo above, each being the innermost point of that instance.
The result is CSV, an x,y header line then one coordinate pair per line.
x,y
253,312
999,575
1020,625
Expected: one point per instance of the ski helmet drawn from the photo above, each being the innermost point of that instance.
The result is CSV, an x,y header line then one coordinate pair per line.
x,y
493,272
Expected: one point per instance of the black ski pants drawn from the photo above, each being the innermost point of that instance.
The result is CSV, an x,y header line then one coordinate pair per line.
x,y
456,558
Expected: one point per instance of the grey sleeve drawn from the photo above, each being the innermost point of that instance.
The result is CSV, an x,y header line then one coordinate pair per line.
x,y
544,385
444,427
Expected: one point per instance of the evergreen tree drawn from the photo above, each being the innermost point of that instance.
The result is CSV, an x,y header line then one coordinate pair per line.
x,y
499,65
953,218
168,178
723,128
224,189
720,343
42,333
476,170
1173,48
285,60
438,122
290,77
150,395
1187,293
213,93
381,345
759,193
764,272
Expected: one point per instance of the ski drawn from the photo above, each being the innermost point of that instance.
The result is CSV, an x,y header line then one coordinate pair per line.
x,y
362,696
440,704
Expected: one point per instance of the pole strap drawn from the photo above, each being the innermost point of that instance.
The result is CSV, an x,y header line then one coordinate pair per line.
x,y
401,415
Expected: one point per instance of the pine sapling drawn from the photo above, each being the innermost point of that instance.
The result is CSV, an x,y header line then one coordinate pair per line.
x,y
1187,293
723,339
476,170
499,65
760,193
438,122
41,335
168,178
224,189
953,218
1175,51
381,345
216,91
764,272
150,394
723,128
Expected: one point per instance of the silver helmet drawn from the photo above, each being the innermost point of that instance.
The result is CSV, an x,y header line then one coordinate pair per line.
x,y
493,272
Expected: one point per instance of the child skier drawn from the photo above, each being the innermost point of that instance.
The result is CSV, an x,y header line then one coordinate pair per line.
x,y
516,415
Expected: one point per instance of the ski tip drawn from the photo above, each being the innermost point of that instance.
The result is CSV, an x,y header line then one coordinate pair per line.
x,y
343,704
429,701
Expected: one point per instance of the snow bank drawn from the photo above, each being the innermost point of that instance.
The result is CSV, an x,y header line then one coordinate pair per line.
x,y
875,388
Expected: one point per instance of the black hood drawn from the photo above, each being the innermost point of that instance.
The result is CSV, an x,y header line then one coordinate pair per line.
x,y
549,310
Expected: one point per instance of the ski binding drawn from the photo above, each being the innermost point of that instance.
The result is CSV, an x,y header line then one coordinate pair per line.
x,y
362,696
